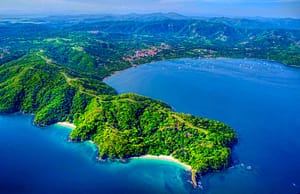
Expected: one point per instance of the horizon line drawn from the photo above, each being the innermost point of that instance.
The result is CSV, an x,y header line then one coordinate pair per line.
x,y
192,16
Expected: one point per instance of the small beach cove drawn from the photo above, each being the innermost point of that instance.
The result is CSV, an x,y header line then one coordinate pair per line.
x,y
160,157
143,157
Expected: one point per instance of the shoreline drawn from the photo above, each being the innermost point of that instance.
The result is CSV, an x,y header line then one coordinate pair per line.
x,y
176,161
180,58
164,158
114,73
66,124
147,156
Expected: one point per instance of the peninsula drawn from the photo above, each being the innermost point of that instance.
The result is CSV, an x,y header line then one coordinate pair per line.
x,y
122,126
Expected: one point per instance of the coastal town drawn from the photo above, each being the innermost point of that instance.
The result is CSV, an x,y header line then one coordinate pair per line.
x,y
143,53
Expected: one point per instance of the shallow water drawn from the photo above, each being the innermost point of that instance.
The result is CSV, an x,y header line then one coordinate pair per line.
x,y
259,99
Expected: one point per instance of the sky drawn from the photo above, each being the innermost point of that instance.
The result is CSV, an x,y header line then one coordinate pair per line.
x,y
232,8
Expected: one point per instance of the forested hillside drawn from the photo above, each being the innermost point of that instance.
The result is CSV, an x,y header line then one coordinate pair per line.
x,y
100,45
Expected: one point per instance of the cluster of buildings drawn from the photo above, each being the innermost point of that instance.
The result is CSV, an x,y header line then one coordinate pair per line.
x,y
151,52
145,53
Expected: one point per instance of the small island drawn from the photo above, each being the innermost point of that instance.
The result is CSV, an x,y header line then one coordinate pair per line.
x,y
122,126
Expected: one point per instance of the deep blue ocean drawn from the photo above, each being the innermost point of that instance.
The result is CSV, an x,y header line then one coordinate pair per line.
x,y
259,99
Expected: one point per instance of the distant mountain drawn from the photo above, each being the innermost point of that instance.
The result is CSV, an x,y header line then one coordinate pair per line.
x,y
259,23
250,23
113,17
152,17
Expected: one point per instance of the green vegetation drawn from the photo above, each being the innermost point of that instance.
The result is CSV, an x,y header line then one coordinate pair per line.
x,y
31,85
122,126
129,125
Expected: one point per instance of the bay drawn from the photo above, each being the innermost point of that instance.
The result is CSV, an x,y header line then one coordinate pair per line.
x,y
259,99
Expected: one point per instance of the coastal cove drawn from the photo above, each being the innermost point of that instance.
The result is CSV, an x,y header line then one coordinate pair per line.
x,y
259,99
186,167
145,157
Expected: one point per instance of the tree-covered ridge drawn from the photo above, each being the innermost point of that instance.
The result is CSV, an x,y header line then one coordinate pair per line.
x,y
129,125
32,85
122,126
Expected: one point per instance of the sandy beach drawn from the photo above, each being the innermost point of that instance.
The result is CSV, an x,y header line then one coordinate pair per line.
x,y
67,124
168,158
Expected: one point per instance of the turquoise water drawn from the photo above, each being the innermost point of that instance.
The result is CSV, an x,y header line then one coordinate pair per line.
x,y
259,99
41,160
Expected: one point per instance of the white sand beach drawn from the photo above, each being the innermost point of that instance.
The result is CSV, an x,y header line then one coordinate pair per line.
x,y
67,124
168,158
